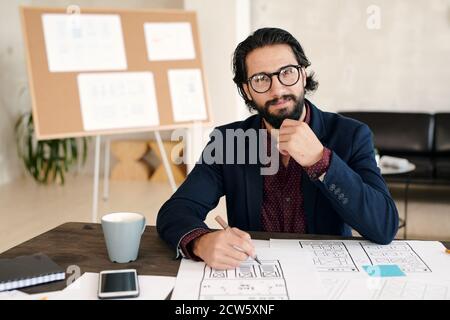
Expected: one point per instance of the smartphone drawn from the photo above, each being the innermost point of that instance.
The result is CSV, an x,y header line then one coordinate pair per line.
x,y
118,284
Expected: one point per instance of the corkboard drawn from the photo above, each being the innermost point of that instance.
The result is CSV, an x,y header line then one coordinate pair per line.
x,y
55,97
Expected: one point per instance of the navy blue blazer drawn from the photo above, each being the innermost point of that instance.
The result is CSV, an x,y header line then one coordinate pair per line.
x,y
352,194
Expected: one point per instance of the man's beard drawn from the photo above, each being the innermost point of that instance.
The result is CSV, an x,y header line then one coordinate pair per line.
x,y
275,120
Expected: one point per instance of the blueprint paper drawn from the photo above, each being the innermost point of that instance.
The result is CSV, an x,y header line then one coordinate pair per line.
x,y
340,267
283,275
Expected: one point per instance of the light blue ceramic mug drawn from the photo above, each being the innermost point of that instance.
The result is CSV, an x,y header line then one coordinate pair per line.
x,y
123,231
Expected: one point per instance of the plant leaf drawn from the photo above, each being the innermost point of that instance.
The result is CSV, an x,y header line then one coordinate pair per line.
x,y
47,160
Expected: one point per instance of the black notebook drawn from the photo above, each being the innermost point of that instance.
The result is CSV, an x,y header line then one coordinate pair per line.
x,y
28,271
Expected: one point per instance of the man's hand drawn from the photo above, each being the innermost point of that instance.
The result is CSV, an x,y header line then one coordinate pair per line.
x,y
298,140
220,249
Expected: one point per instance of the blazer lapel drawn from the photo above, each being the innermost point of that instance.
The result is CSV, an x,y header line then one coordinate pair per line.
x,y
254,185
316,124
308,187
254,190
309,201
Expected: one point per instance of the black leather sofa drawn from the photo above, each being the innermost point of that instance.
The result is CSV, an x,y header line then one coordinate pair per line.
x,y
422,138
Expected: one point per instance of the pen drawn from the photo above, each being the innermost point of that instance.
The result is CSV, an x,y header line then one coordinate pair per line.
x,y
226,226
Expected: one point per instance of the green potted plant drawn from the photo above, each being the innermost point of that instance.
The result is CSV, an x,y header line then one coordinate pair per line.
x,y
47,160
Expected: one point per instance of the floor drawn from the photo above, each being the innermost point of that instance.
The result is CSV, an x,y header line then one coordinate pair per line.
x,y
28,209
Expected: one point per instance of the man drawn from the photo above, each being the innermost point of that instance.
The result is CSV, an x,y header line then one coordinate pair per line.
x,y
327,182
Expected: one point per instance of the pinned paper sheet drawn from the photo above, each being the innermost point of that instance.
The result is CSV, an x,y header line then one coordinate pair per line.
x,y
118,100
84,42
169,41
283,275
186,92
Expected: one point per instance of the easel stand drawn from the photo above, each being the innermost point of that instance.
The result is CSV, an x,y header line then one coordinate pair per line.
x,y
96,179
107,167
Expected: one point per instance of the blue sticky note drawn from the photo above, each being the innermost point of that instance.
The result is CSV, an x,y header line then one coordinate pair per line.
x,y
389,270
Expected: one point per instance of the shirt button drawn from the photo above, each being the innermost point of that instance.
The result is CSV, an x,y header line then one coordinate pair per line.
x,y
288,199
344,201
341,196
332,187
336,192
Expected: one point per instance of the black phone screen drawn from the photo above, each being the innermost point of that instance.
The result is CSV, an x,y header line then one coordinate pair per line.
x,y
115,282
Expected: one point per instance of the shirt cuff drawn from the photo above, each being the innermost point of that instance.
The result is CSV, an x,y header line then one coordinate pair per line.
x,y
188,240
321,166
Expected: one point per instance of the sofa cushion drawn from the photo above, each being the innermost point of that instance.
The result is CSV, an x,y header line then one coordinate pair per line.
x,y
442,168
442,133
399,132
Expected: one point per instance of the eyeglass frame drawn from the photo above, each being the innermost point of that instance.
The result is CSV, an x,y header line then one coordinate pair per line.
x,y
270,75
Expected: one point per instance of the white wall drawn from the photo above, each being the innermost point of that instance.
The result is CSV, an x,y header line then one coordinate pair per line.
x,y
14,98
14,95
404,65
223,24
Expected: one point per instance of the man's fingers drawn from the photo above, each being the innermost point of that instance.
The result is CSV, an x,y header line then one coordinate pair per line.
x,y
284,148
284,138
290,123
236,254
243,244
239,239
220,266
225,262
241,233
287,130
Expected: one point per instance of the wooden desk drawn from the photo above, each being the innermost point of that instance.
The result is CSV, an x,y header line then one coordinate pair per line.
x,y
83,245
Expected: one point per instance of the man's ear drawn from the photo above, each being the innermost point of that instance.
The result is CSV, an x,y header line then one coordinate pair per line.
x,y
303,70
247,91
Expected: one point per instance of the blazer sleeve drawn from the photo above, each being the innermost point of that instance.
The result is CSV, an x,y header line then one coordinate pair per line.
x,y
358,192
188,207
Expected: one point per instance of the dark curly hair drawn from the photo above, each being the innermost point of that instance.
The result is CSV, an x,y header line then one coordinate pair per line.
x,y
261,38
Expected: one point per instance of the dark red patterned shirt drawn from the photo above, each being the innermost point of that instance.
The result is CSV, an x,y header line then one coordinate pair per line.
x,y
283,203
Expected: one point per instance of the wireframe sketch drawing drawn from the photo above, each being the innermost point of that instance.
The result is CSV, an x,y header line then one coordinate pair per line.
x,y
349,256
249,281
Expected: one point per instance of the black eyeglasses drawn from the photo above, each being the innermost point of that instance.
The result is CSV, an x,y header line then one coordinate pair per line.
x,y
262,82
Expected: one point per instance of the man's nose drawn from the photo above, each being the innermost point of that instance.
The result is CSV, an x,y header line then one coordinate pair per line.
x,y
277,88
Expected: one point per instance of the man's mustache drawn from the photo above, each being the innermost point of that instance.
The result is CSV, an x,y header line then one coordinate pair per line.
x,y
276,100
